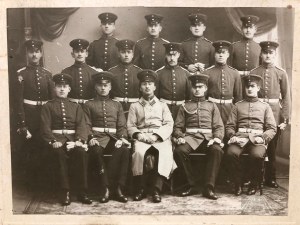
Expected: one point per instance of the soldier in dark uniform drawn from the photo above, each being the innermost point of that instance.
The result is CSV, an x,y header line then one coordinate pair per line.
x,y
150,52
34,87
250,127
82,86
224,84
275,91
199,127
173,84
197,51
63,128
125,81
107,132
103,52
244,54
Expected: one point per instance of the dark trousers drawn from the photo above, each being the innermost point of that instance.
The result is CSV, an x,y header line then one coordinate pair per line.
x,y
71,164
214,157
271,153
152,176
115,172
256,160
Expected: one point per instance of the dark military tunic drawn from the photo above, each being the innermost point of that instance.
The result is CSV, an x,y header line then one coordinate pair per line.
x,y
125,83
224,84
197,49
244,55
103,53
62,114
173,85
34,84
199,114
82,86
150,53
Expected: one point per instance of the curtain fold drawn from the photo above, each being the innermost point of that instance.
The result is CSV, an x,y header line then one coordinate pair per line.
x,y
49,23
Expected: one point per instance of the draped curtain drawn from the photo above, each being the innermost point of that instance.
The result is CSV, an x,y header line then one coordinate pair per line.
x,y
49,23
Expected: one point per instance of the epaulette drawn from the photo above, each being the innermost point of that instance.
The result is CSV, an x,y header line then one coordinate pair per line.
x,y
232,68
97,69
235,42
141,40
184,69
115,100
239,101
46,69
161,68
187,39
280,68
113,67
136,66
207,40
210,67
263,102
21,69
165,40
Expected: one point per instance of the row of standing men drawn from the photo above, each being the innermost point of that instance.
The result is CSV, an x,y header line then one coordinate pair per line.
x,y
172,88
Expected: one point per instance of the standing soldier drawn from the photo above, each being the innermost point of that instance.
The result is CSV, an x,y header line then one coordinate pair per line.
x,y
224,84
250,127
199,127
125,81
275,85
34,88
149,51
150,124
103,52
107,132
244,54
173,83
63,128
81,87
197,51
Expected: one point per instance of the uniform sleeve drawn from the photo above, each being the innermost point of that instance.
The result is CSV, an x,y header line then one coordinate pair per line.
x,y
211,56
188,88
50,87
230,59
81,132
165,131
137,56
237,89
181,60
231,126
121,123
217,124
19,101
132,121
179,126
87,115
46,121
270,125
286,96
91,56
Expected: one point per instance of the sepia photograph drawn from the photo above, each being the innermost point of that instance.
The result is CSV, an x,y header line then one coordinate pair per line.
x,y
150,111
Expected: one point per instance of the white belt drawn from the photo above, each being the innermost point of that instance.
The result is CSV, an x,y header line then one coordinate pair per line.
x,y
269,100
63,131
198,130
105,130
170,102
26,101
119,99
249,130
221,101
80,101
244,72
149,130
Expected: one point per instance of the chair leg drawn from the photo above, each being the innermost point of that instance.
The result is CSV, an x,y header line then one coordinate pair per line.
x,y
261,184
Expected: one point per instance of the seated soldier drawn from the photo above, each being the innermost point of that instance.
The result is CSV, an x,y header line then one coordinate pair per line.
x,y
107,132
199,127
63,127
250,127
150,124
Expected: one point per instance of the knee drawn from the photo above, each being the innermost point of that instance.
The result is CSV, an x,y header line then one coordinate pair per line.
x,y
80,151
215,149
180,150
257,154
233,151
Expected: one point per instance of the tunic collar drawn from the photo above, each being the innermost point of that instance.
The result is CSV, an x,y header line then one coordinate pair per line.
x,y
79,64
268,65
244,39
200,99
155,39
102,98
144,102
221,66
251,99
104,36
126,66
171,67
197,38
57,99
33,66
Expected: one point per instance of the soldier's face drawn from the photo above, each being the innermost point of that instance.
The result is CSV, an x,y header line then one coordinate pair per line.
x,y
34,56
221,56
62,90
103,89
172,58
249,31
126,56
268,56
199,90
147,88
79,55
197,29
252,89
154,29
108,28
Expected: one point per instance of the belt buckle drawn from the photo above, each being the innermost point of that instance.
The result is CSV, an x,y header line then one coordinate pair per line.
x,y
125,99
39,102
106,130
222,101
64,131
199,131
173,102
248,130
80,101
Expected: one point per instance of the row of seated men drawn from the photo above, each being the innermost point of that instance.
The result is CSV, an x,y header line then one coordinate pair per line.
x,y
172,88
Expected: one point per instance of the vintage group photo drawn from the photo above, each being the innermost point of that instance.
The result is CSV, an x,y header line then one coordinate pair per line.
x,y
150,110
